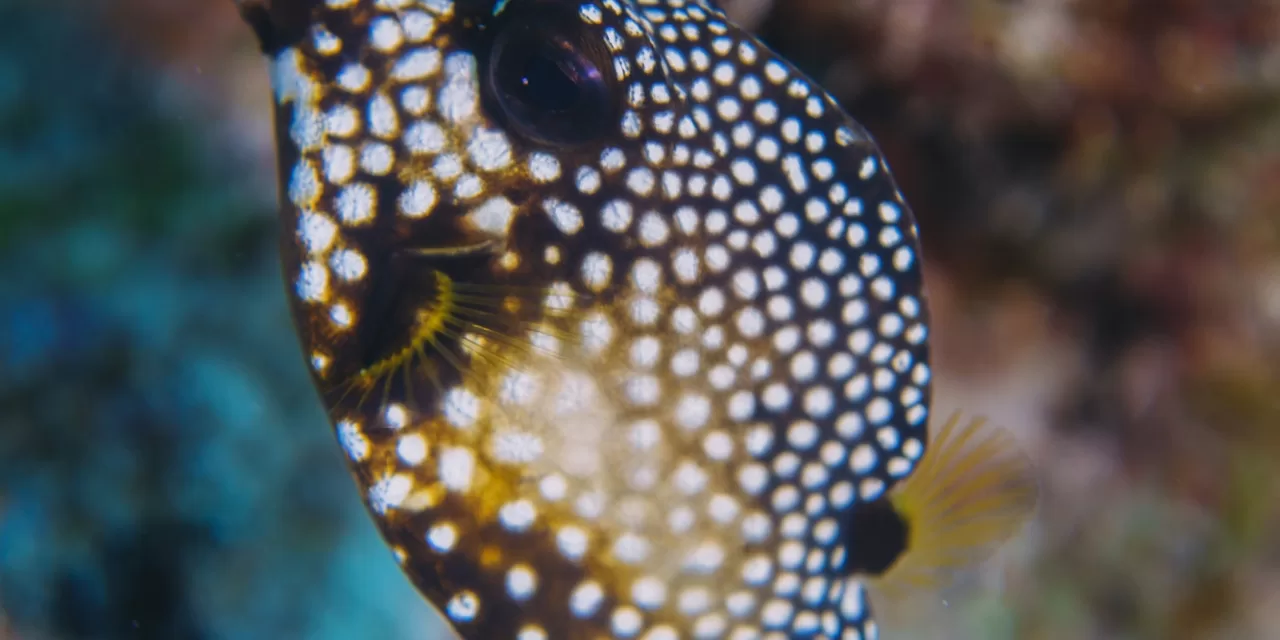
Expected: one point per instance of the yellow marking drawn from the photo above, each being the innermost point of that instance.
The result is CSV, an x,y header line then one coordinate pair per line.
x,y
480,246
510,261
430,323
428,497
491,557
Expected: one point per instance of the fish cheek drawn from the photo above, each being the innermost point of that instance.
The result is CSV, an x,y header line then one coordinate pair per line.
x,y
876,536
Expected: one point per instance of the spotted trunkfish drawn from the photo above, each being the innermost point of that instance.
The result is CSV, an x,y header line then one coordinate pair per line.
x,y
619,319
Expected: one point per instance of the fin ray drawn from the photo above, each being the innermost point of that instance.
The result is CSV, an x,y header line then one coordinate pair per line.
x,y
972,491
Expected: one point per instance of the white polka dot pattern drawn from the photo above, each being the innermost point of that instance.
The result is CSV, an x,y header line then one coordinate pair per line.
x,y
624,388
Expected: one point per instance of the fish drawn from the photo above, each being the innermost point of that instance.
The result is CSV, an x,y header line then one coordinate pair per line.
x,y
619,320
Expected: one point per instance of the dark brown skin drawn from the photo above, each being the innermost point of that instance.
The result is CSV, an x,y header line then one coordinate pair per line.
x,y
616,314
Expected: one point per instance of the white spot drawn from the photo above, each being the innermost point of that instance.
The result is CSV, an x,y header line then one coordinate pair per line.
x,y
494,216
304,184
572,542
418,26
457,467
424,138
355,203
348,264
616,215
313,282
376,158
517,516
442,537
543,167
418,64
412,449
390,492
597,269
352,440
383,121
521,582
316,231
588,180
461,408
463,607
566,217
385,34
648,592
418,199
490,150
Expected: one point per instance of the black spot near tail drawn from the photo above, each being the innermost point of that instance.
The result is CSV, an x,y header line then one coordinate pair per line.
x,y
875,537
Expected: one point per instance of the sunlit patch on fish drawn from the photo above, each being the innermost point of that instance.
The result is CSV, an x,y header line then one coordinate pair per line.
x,y
618,317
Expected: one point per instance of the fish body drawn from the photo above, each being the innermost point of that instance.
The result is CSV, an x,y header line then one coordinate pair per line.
x,y
617,315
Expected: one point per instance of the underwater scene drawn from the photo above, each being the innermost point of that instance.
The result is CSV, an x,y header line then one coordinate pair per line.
x,y
654,319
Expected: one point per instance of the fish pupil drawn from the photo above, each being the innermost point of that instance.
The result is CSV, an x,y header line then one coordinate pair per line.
x,y
876,536
544,79
548,85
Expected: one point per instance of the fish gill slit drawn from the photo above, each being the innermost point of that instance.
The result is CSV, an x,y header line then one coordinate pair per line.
x,y
425,333
459,324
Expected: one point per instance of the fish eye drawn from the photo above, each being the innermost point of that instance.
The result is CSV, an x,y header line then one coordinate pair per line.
x,y
547,81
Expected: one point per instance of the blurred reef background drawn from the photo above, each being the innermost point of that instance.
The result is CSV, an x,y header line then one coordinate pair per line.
x,y
1098,189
